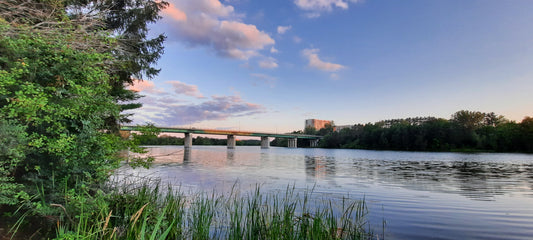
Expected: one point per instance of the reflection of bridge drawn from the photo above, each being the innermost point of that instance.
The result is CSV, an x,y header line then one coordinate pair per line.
x,y
292,138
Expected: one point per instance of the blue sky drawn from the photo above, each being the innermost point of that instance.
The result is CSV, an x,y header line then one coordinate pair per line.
x,y
269,65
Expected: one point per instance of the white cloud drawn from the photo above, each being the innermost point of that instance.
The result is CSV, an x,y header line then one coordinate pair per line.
x,y
210,23
315,62
186,89
283,29
314,7
268,63
273,50
296,39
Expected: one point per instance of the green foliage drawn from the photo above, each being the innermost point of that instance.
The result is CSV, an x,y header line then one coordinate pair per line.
x,y
148,132
128,20
145,211
60,95
13,145
465,131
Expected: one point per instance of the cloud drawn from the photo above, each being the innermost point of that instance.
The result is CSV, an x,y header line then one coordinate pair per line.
x,y
315,7
218,108
315,62
165,109
144,86
175,13
263,78
296,39
268,63
273,50
186,89
283,29
211,24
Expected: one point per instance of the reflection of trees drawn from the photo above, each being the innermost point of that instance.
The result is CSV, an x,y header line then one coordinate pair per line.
x,y
475,180
319,166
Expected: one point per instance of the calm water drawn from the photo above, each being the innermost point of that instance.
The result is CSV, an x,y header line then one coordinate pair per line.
x,y
419,195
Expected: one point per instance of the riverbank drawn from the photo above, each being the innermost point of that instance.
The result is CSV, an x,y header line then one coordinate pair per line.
x,y
146,210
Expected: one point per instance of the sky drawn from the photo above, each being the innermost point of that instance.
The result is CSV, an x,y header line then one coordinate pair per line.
x,y
256,65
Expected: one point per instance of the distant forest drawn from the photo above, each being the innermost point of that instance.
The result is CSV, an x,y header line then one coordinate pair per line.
x,y
465,131
171,140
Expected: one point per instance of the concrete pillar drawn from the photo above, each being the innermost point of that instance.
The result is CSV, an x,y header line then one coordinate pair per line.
x,y
314,142
231,141
187,142
264,142
293,142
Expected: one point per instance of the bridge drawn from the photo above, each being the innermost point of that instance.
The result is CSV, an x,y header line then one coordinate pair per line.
x,y
265,143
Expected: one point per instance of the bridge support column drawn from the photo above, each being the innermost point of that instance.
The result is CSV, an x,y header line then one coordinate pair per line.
x,y
264,142
314,143
187,142
231,141
293,142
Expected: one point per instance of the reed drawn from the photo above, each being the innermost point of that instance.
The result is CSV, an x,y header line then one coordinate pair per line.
x,y
147,211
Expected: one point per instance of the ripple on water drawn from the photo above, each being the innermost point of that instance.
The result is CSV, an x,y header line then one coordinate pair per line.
x,y
420,195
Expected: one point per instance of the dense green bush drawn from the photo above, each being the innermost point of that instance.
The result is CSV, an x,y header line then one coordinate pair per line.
x,y
55,97
12,152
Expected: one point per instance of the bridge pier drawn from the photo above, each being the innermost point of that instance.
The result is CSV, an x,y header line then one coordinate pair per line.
x,y
231,141
293,142
264,142
187,142
314,143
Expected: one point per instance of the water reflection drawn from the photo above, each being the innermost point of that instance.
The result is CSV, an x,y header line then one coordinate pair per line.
x,y
421,195
230,155
319,166
186,156
478,177
473,179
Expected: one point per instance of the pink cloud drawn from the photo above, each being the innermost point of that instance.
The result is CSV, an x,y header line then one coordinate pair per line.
x,y
218,108
175,13
212,24
315,62
145,86
186,89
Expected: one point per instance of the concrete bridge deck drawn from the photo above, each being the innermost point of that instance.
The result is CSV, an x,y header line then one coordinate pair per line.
x,y
292,143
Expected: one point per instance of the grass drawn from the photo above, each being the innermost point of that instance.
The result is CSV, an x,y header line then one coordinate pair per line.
x,y
147,211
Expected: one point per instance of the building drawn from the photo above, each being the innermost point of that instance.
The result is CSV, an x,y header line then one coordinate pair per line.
x,y
317,124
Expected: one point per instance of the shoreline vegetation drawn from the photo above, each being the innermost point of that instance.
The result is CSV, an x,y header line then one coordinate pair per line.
x,y
146,210
466,131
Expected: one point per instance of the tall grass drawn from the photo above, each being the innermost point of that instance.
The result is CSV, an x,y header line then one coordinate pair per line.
x,y
146,211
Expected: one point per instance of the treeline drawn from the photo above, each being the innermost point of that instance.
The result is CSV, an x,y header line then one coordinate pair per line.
x,y
170,140
465,131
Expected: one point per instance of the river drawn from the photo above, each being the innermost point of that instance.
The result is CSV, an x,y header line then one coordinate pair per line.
x,y
419,195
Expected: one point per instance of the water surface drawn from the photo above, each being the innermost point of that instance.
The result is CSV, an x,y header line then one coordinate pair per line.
x,y
420,195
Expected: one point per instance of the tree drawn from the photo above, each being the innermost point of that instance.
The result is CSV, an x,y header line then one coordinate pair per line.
x,y
527,133
136,53
59,93
469,119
